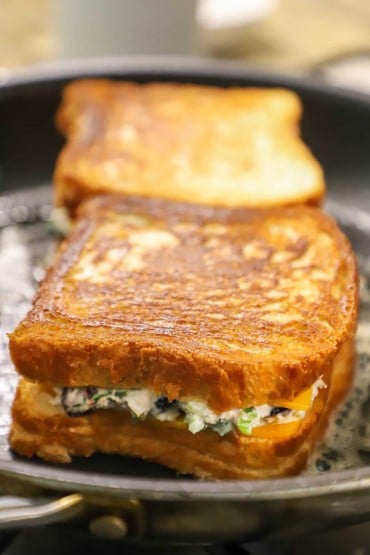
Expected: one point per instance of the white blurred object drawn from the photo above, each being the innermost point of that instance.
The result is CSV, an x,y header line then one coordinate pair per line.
x,y
87,28
223,22
351,71
221,14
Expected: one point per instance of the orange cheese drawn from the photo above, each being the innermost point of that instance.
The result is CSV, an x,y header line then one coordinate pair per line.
x,y
303,401
276,431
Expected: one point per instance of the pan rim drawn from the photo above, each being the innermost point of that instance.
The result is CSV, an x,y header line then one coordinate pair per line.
x,y
165,489
168,66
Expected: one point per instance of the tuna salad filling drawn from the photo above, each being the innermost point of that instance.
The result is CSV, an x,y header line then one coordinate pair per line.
x,y
78,401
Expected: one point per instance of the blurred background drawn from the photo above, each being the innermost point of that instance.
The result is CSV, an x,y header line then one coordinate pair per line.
x,y
282,35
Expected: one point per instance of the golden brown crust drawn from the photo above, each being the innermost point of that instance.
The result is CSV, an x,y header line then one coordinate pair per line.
x,y
233,307
228,147
42,429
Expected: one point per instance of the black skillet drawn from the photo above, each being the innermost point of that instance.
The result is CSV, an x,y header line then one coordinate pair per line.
x,y
126,497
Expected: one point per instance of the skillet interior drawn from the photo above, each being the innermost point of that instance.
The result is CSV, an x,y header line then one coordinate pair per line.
x,y
336,126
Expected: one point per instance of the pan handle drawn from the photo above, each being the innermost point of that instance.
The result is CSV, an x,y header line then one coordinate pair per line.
x,y
106,517
18,512
188,521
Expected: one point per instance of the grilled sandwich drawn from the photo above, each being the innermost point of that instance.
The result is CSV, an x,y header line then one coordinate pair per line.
x,y
228,147
214,341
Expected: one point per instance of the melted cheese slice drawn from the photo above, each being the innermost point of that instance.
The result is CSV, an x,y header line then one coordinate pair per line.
x,y
303,401
276,430
281,430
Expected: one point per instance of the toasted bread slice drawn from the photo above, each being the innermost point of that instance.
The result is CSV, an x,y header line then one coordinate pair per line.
x,y
231,307
228,147
40,427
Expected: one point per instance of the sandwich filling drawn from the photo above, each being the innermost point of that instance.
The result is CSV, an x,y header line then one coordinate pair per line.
x,y
197,416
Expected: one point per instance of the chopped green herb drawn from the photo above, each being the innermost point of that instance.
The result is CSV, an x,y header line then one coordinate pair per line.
x,y
189,408
245,420
194,422
98,396
120,393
